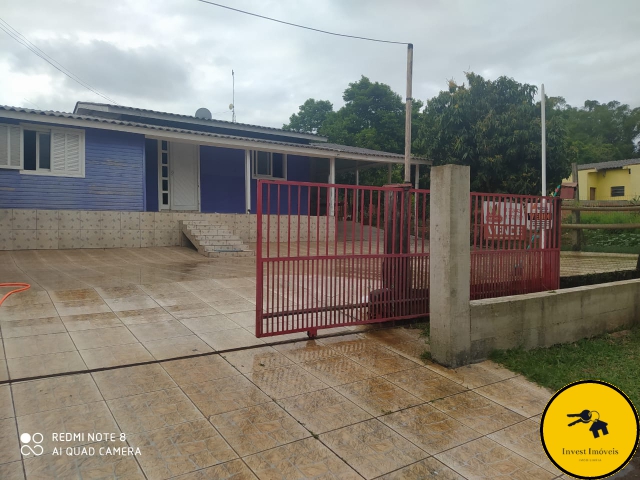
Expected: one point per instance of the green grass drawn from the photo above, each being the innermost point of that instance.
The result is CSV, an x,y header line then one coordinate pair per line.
x,y
608,241
611,358
609,217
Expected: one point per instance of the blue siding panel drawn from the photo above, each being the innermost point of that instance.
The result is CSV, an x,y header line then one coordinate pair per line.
x,y
113,180
298,170
221,180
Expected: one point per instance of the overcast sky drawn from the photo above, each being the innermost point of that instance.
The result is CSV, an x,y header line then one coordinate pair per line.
x,y
177,55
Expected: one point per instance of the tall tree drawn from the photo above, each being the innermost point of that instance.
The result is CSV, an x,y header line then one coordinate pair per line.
x,y
310,116
601,132
494,127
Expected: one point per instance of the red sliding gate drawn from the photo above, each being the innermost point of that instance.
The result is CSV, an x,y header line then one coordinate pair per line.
x,y
336,255
515,244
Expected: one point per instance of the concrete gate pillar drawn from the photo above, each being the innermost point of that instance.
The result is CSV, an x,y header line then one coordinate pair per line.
x,y
450,265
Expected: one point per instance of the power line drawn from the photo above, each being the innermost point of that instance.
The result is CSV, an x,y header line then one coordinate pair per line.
x,y
25,42
301,26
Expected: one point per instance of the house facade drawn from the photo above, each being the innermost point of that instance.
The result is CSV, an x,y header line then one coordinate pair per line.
x,y
609,181
107,176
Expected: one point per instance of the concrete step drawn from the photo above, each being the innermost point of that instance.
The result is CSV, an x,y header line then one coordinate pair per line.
x,y
230,254
209,231
221,243
217,237
226,248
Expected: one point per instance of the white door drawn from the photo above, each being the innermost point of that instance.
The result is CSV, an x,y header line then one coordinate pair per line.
x,y
185,193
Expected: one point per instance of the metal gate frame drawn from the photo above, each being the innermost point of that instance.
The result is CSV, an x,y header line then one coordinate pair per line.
x,y
334,262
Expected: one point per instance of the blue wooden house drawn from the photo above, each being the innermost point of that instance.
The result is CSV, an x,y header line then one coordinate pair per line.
x,y
109,163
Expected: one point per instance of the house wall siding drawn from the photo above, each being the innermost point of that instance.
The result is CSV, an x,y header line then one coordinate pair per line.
x,y
221,180
114,178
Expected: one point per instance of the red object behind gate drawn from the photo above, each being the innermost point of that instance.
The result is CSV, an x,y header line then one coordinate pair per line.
x,y
336,255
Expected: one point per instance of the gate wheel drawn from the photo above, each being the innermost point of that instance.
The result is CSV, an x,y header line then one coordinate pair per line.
x,y
313,333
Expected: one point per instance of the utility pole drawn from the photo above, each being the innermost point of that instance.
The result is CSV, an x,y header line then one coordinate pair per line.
x,y
543,115
407,127
233,96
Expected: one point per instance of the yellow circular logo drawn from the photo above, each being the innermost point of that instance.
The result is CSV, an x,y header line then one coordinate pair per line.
x,y
589,429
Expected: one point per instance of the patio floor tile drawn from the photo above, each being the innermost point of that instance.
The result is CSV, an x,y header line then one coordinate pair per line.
x,y
94,467
176,347
475,375
429,428
6,402
381,361
287,381
307,351
229,339
424,383
26,312
323,410
78,307
137,302
180,449
115,355
477,412
145,315
54,393
306,458
102,337
153,410
154,289
12,471
122,382
29,297
38,345
157,331
119,292
485,459
9,445
372,448
427,469
258,428
59,295
32,326
224,395
91,321
253,359
233,470
244,319
518,395
4,374
199,369
337,370
87,418
193,310
50,364
378,396
524,439
210,323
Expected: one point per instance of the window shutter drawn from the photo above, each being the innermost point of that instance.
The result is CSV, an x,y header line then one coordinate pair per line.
x,y
58,153
73,163
10,146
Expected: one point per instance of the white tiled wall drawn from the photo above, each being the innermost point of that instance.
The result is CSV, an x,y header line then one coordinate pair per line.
x,y
22,229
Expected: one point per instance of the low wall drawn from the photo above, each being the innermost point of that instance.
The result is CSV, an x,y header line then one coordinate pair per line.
x,y
24,229
547,318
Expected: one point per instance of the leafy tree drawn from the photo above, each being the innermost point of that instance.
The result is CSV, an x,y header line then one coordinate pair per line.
x,y
310,117
602,132
494,127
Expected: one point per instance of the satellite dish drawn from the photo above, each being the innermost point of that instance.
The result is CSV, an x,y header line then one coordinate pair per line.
x,y
203,113
231,106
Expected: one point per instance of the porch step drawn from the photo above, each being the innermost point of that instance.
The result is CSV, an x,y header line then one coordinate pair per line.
x,y
214,240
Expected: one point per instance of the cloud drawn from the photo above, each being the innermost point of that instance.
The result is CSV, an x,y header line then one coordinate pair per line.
x,y
177,55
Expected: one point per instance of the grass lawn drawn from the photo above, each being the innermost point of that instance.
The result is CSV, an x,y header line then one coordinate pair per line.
x,y
613,358
609,241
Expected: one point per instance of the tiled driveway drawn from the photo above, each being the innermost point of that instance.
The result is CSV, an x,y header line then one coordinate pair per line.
x,y
89,309
356,406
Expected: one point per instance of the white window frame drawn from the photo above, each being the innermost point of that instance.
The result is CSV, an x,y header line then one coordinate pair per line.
x,y
51,130
254,166
9,126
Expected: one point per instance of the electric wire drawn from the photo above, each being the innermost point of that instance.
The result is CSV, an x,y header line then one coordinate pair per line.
x,y
25,42
302,26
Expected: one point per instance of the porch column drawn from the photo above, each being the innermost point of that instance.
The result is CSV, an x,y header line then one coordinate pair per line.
x,y
247,180
332,191
417,176
390,170
449,272
357,175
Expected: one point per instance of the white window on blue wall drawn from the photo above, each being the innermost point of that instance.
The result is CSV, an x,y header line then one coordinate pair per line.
x,y
269,165
38,150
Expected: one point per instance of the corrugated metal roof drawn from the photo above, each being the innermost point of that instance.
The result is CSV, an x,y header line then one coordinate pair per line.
x,y
609,165
98,120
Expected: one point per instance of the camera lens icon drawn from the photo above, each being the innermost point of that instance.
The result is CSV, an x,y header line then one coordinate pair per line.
x,y
26,449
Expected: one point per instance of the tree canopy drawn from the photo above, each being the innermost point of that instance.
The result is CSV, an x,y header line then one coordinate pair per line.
x,y
494,127
491,125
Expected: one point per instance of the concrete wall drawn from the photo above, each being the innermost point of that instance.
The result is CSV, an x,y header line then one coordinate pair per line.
x,y
24,229
547,318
